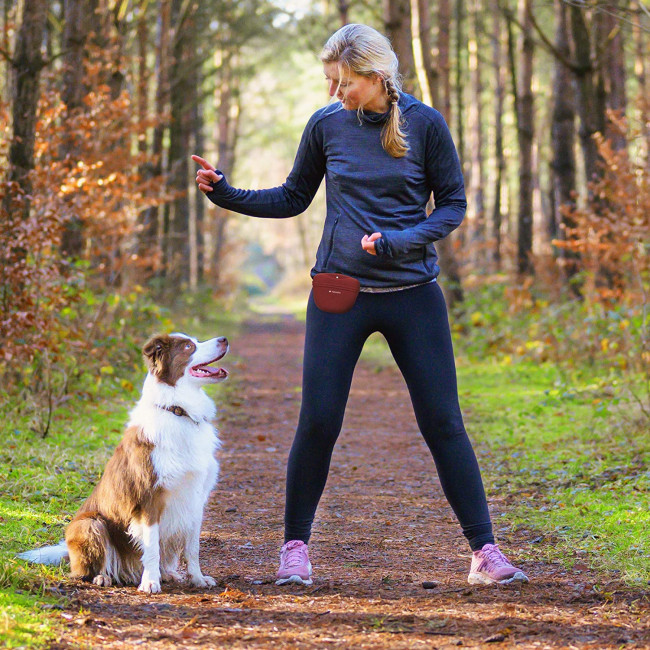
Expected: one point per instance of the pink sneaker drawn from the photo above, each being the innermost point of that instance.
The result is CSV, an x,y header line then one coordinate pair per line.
x,y
491,565
294,564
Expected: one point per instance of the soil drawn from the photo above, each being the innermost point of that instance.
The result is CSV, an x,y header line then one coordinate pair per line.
x,y
383,528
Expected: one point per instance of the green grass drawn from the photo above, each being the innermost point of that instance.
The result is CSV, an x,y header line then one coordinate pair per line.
x,y
44,482
572,459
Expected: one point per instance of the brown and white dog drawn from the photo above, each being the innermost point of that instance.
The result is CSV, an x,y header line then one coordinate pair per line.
x,y
146,511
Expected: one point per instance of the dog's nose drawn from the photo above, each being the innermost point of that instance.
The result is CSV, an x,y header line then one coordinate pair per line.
x,y
222,339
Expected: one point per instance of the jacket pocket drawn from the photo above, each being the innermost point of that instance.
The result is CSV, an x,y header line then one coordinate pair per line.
x,y
331,244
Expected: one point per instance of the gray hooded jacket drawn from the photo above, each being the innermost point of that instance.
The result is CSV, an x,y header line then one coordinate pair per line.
x,y
369,191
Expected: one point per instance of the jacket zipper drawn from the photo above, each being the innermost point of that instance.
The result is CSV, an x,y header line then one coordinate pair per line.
x,y
329,253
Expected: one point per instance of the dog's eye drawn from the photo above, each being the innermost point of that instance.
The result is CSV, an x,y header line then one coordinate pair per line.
x,y
188,346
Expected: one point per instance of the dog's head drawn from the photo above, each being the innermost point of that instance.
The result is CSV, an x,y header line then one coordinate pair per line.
x,y
172,357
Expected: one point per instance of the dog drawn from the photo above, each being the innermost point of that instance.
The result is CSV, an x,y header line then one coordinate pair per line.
x,y
147,509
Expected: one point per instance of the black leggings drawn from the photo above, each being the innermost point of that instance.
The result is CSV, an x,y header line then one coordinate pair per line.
x,y
414,322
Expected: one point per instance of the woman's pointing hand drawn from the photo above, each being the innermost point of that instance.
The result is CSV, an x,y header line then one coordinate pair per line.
x,y
206,175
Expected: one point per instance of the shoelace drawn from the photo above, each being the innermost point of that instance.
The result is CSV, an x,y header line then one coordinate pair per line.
x,y
495,558
293,555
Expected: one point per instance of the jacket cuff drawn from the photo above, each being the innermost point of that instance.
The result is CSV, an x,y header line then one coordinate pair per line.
x,y
381,247
393,243
220,185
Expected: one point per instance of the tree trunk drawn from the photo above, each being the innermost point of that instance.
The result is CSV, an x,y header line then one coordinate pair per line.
x,y
27,65
640,68
476,180
461,47
6,84
525,134
343,6
563,135
227,124
177,258
444,31
199,197
453,287
589,108
426,72
75,35
614,70
150,231
397,25
499,95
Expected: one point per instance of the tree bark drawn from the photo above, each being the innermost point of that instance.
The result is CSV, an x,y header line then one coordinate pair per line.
x,y
444,31
589,106
563,135
426,72
525,135
177,249
343,6
476,180
75,35
27,64
150,230
199,197
453,288
397,25
6,84
614,70
640,68
227,125
499,96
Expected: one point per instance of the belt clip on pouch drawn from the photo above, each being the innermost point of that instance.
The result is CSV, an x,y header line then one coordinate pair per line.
x,y
334,292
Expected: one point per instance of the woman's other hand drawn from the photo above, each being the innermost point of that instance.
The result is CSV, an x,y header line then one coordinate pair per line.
x,y
206,175
368,242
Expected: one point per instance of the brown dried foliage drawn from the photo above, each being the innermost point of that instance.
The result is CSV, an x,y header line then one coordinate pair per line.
x,y
610,235
99,185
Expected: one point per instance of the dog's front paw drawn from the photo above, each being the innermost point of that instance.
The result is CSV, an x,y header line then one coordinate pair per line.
x,y
202,581
149,586
102,581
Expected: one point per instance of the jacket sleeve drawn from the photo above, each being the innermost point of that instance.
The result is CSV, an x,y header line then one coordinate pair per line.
x,y
290,198
445,180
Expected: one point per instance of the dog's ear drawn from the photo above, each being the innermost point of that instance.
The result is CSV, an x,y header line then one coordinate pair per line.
x,y
154,351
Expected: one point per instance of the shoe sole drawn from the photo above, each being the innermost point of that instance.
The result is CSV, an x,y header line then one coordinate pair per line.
x,y
482,579
295,579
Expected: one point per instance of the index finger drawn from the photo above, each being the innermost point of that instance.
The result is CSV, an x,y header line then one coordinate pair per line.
x,y
204,163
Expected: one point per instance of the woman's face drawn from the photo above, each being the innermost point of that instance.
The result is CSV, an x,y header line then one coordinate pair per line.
x,y
354,90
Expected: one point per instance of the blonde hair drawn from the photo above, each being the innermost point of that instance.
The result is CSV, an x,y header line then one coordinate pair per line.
x,y
366,52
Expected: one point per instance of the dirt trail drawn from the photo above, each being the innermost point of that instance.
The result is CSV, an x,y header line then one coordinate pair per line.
x,y
383,527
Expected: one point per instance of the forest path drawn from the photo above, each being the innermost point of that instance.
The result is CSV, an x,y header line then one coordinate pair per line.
x,y
383,528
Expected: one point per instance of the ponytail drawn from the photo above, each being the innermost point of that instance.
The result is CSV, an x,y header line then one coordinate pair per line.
x,y
393,137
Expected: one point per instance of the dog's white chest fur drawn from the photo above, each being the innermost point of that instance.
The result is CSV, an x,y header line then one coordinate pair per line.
x,y
182,456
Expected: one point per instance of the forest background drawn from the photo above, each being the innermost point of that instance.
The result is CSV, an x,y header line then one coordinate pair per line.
x,y
104,237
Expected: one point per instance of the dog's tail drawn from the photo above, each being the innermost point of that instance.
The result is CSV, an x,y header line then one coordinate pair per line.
x,y
47,554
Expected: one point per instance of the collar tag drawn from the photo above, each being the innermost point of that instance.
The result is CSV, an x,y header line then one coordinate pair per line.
x,y
178,411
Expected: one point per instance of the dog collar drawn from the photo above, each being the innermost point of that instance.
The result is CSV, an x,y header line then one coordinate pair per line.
x,y
177,410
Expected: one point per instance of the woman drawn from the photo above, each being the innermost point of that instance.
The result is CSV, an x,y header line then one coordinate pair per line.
x,y
382,153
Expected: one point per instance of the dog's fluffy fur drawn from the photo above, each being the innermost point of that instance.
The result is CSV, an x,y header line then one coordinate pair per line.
x,y
146,511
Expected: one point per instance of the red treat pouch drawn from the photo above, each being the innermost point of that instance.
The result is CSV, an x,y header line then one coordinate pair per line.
x,y
334,292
